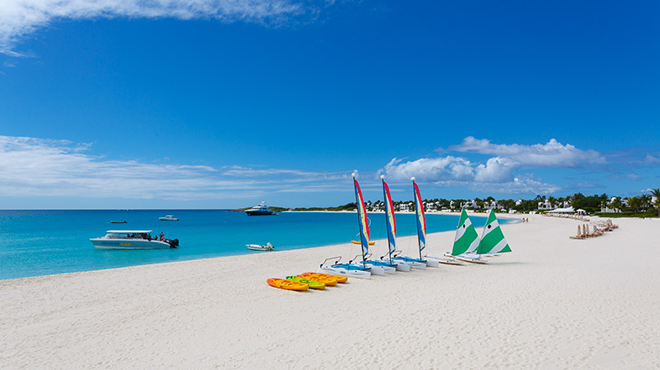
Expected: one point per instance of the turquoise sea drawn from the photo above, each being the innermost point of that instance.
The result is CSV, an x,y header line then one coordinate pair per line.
x,y
36,243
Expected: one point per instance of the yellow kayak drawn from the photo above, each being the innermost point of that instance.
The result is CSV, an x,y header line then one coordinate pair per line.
x,y
359,242
287,284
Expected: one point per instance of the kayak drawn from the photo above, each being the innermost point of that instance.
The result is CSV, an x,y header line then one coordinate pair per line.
x,y
329,281
312,283
340,279
287,284
358,242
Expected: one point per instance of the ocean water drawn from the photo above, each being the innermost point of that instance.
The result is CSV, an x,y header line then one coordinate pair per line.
x,y
37,243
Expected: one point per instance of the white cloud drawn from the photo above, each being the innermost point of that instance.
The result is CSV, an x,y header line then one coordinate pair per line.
x,y
39,167
551,154
430,169
501,172
650,159
19,18
496,169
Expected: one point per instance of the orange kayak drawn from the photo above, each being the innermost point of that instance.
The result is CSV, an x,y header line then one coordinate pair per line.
x,y
359,242
287,284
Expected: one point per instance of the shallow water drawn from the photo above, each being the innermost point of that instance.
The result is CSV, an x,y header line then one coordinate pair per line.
x,y
36,243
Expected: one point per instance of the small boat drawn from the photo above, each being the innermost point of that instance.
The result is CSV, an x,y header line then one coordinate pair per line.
x,y
132,239
118,222
359,242
360,269
491,244
287,284
422,262
259,247
328,280
168,218
260,210
312,283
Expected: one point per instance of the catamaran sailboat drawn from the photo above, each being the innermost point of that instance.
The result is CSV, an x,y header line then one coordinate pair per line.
x,y
364,268
390,223
420,262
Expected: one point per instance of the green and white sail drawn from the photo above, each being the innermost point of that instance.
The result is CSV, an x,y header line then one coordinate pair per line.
x,y
492,239
467,239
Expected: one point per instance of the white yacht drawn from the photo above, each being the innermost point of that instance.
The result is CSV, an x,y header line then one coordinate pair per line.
x,y
132,239
260,210
168,218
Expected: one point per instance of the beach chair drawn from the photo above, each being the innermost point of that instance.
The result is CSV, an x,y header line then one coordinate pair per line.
x,y
579,234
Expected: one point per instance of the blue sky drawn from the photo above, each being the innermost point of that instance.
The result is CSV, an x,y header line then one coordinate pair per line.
x,y
221,104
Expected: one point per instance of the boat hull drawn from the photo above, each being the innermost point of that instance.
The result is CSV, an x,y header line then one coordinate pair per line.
x,y
128,244
387,268
342,271
413,263
400,265
261,248
471,259
259,213
445,261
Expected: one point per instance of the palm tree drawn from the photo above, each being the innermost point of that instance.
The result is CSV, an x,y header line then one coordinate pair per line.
x,y
616,204
656,194
635,203
645,199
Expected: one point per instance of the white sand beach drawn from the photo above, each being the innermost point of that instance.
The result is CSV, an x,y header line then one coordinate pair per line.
x,y
554,303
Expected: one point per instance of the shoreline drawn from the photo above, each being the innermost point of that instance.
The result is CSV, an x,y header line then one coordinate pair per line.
x,y
551,303
154,257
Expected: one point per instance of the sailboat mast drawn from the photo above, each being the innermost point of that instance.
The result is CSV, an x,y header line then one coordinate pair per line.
x,y
387,221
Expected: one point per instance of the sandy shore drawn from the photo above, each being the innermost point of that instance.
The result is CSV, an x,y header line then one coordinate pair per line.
x,y
554,303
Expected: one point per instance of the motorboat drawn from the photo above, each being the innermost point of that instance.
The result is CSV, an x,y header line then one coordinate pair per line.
x,y
132,239
118,222
168,218
260,210
259,247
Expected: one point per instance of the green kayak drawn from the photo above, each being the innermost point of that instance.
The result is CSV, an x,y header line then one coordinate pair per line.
x,y
312,284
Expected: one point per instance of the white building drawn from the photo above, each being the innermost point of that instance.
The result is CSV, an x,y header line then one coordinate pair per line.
x,y
545,205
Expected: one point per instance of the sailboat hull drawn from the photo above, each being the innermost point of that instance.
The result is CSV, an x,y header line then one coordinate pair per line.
x,y
413,263
432,263
388,269
445,261
400,265
342,271
471,259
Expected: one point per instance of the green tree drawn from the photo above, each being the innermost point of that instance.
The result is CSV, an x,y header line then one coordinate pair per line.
x,y
635,203
656,194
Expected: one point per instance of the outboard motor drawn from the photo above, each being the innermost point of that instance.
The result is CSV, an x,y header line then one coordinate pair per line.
x,y
174,243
